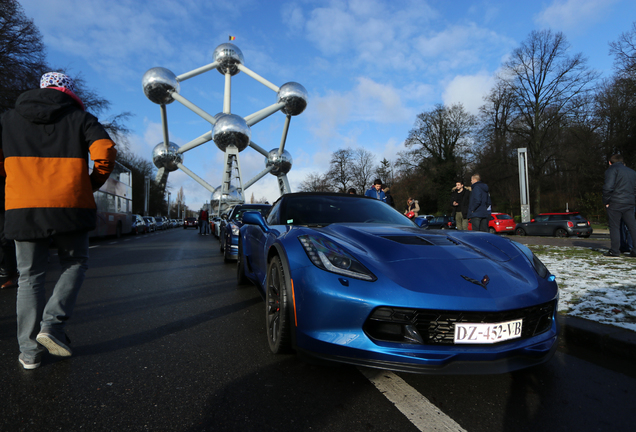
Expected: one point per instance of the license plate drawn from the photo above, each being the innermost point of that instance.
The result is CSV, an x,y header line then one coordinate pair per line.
x,y
581,224
480,333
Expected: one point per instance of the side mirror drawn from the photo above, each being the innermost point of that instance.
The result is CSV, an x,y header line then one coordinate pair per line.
x,y
255,218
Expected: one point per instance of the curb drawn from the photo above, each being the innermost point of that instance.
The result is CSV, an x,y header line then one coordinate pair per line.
x,y
602,337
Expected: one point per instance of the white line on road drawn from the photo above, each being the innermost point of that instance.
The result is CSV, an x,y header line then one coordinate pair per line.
x,y
423,414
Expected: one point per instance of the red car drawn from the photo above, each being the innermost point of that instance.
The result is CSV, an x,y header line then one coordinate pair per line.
x,y
498,223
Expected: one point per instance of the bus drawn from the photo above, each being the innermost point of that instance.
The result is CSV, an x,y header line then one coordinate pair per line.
x,y
114,204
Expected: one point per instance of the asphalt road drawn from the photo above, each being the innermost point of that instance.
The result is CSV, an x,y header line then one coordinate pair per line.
x,y
165,341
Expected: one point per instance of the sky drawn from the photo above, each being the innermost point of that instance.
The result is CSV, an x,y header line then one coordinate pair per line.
x,y
369,67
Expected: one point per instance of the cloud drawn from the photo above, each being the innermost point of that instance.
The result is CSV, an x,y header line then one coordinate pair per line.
x,y
573,15
468,90
368,101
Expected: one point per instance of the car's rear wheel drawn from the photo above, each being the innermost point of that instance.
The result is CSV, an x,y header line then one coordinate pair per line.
x,y
520,232
276,314
560,232
491,230
586,236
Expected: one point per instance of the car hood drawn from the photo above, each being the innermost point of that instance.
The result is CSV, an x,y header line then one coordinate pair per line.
x,y
431,262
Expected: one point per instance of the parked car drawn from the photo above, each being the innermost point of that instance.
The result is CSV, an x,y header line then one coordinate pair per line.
x,y
348,279
138,225
499,223
152,224
230,231
159,223
556,224
190,222
442,222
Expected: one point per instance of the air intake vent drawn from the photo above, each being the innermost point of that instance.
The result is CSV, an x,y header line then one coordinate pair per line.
x,y
421,241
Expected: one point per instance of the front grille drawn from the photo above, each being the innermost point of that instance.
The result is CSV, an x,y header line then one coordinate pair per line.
x,y
437,327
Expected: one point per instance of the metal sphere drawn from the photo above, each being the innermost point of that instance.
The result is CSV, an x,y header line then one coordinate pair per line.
x,y
231,130
295,98
232,197
167,158
228,55
282,164
159,84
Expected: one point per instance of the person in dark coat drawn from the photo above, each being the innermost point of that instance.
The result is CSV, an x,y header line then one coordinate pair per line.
x,y
479,205
460,198
388,196
46,144
619,197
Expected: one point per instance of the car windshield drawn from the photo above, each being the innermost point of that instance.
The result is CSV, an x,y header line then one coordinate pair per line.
x,y
238,214
328,209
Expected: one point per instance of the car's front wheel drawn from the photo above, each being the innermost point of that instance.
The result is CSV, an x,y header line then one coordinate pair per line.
x,y
520,232
560,232
276,314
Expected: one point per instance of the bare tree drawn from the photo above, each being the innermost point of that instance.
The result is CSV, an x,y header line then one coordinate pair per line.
x,y
340,172
315,182
22,53
438,146
362,169
546,83
624,51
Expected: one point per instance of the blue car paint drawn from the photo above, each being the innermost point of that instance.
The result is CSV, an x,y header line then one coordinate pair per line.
x,y
331,310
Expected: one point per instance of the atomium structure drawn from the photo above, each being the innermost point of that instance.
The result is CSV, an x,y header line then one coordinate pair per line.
x,y
231,133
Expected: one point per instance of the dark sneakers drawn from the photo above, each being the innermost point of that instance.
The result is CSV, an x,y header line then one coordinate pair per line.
x,y
29,364
54,345
612,254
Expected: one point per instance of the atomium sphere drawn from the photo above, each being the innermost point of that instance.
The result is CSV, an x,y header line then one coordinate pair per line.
x,y
232,195
167,158
282,164
295,98
228,55
231,130
159,84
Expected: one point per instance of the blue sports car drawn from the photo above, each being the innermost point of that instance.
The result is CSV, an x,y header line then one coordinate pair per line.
x,y
230,231
347,278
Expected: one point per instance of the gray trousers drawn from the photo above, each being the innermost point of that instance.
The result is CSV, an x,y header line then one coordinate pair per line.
x,y
34,312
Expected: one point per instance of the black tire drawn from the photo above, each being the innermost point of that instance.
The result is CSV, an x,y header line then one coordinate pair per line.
x,y
226,258
491,230
276,308
221,248
560,232
118,230
520,232
241,279
586,236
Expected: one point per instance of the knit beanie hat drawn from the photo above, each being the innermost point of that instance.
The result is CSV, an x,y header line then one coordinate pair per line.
x,y
56,79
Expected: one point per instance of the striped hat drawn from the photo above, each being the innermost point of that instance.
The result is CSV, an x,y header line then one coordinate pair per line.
x,y
56,79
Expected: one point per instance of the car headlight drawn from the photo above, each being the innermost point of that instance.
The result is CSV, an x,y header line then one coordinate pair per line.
x,y
328,256
235,230
539,267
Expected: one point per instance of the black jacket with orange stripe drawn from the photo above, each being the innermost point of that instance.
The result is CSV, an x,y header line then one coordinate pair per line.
x,y
46,141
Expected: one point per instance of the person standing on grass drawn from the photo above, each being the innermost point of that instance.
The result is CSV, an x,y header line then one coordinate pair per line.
x,y
46,142
619,197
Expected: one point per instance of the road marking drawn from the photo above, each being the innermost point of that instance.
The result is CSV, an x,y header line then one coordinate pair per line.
x,y
424,415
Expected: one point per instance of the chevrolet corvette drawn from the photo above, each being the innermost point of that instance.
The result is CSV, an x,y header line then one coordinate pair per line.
x,y
348,279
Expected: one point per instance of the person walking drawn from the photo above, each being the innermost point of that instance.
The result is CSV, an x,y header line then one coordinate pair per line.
x,y
204,222
412,206
460,198
479,205
619,197
46,142
376,191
